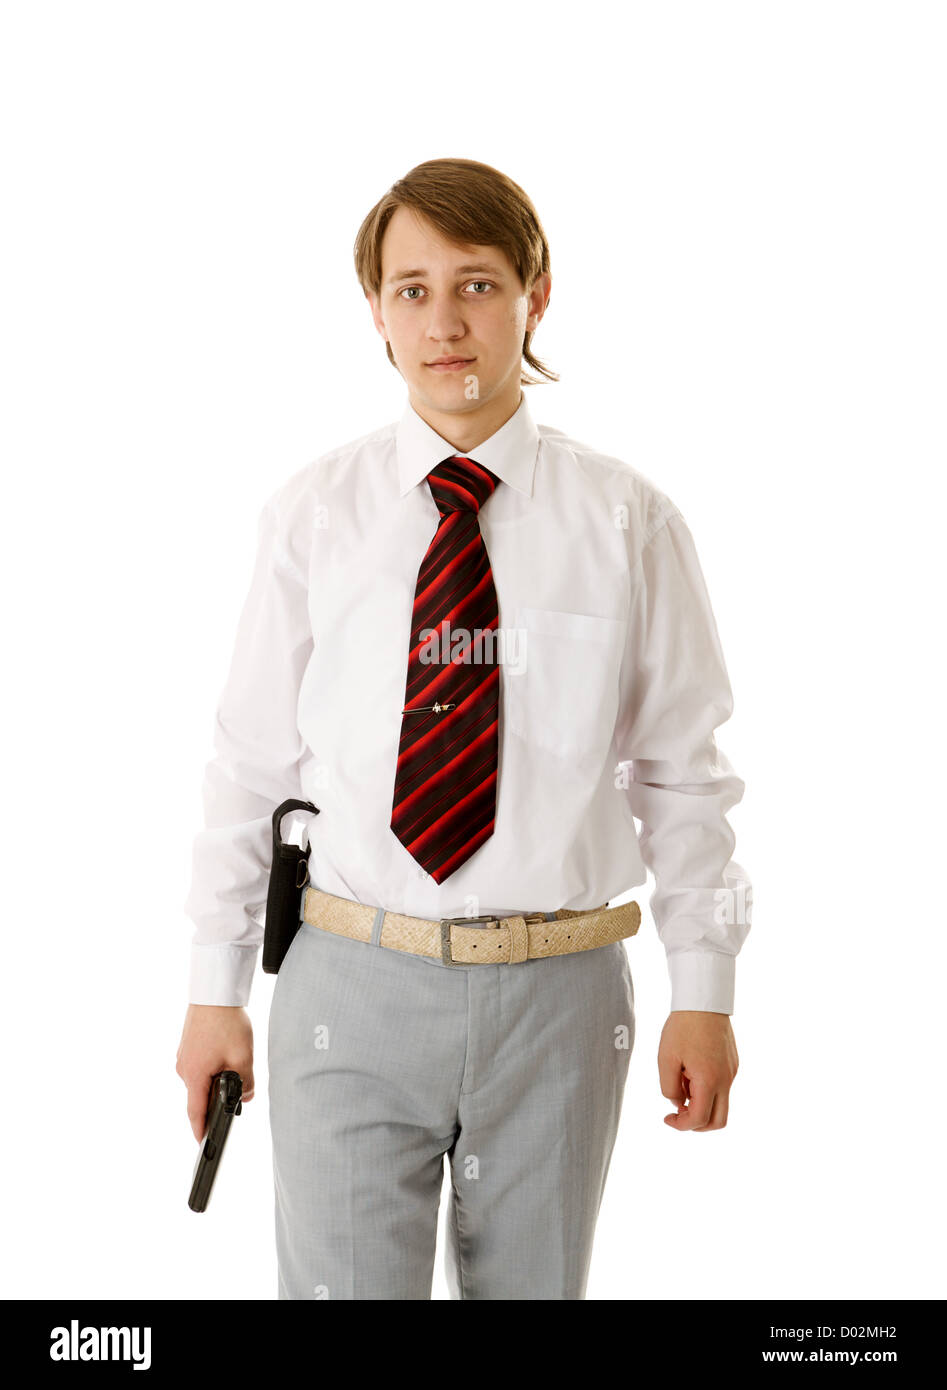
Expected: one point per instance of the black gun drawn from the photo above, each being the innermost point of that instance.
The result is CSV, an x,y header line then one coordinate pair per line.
x,y
223,1103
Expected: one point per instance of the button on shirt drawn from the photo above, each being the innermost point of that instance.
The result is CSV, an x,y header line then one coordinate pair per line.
x,y
612,684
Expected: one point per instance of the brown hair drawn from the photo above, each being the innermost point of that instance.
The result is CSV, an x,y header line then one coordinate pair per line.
x,y
469,203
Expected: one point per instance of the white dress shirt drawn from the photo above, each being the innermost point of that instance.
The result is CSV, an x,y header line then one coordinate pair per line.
x,y
612,718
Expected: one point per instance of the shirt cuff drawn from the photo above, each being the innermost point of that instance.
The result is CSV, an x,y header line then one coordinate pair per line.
x,y
702,980
222,974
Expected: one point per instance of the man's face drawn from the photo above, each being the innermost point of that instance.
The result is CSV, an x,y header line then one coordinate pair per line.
x,y
440,300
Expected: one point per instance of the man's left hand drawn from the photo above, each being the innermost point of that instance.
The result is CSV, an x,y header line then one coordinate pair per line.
x,y
697,1061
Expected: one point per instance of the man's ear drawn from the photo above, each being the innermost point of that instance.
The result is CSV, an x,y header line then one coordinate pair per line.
x,y
539,299
376,314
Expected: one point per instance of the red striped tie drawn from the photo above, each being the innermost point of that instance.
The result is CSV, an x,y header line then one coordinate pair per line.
x,y
445,784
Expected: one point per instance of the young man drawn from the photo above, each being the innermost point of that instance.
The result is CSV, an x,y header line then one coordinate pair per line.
x,y
458,985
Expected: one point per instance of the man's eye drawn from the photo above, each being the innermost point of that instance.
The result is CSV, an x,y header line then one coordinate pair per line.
x,y
481,282
407,288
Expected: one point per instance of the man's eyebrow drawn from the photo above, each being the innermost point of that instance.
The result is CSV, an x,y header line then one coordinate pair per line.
x,y
482,269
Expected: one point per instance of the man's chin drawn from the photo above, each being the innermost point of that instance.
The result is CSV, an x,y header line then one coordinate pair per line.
x,y
449,390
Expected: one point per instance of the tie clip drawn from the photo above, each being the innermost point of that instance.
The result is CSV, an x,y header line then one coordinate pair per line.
x,y
427,709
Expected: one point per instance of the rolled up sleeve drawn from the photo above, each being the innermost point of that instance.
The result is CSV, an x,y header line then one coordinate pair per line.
x,y
258,749
679,784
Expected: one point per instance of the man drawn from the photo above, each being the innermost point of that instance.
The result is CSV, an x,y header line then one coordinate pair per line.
x,y
486,787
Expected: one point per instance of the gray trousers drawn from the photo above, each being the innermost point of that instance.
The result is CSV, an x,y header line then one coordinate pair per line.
x,y
381,1063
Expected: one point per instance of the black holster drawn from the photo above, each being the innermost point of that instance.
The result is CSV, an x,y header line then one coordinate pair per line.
x,y
289,874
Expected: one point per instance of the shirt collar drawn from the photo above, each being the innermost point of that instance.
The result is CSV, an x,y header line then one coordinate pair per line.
x,y
510,453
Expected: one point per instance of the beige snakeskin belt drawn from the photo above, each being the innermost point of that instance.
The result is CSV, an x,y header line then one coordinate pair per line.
x,y
457,942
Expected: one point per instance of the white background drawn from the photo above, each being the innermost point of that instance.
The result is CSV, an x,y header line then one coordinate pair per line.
x,y
746,210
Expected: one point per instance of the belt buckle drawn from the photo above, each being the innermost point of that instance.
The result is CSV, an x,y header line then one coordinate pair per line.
x,y
446,924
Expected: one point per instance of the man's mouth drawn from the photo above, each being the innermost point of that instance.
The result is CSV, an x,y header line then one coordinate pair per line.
x,y
449,364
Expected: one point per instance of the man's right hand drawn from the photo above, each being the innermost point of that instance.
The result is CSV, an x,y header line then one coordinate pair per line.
x,y
215,1038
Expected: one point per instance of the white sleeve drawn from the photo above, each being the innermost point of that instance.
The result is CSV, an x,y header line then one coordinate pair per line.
x,y
256,766
679,785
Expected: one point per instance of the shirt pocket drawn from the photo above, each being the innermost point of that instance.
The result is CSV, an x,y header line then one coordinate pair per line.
x,y
564,698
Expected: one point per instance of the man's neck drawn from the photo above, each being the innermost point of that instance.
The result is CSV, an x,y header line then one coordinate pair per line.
x,y
464,430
